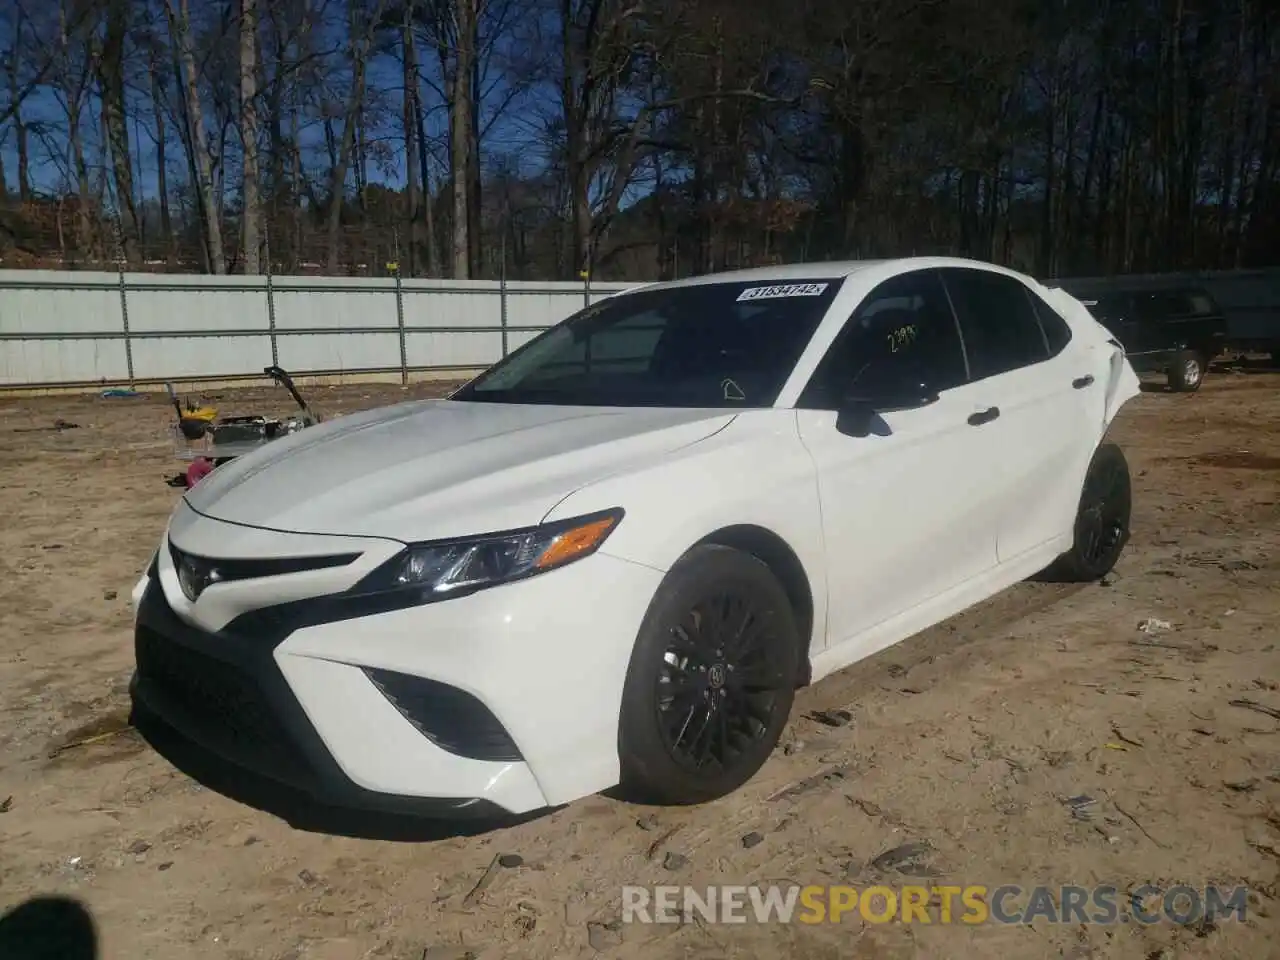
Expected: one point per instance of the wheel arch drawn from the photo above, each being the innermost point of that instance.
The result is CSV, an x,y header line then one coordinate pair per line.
x,y
783,562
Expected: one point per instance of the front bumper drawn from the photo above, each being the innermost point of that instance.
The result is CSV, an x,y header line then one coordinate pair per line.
x,y
545,659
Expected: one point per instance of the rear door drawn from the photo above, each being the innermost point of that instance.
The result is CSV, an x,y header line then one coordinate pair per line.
x,y
1048,404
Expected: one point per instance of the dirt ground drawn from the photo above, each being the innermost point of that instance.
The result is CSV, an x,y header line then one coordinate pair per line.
x,y
969,737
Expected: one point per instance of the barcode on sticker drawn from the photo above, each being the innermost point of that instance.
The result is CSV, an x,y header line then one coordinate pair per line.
x,y
783,290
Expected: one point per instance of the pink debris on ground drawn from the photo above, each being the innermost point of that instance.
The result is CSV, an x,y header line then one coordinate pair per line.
x,y
199,469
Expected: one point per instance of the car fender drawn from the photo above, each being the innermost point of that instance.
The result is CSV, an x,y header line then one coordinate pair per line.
x,y
753,473
1122,383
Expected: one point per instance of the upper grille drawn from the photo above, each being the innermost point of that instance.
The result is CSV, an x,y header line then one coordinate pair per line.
x,y
196,573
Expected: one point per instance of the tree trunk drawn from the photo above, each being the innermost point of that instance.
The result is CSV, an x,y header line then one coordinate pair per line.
x,y
111,80
279,191
410,125
295,206
412,87
74,93
162,177
1047,224
180,32
575,122
460,136
475,250
428,197
19,126
249,133
361,36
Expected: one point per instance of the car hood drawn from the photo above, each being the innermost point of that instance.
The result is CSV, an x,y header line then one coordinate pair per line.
x,y
440,468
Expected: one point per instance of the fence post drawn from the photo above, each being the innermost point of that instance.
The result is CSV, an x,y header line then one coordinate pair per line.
x,y
124,308
404,355
271,306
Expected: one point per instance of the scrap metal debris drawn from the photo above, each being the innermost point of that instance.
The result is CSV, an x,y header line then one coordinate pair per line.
x,y
1081,806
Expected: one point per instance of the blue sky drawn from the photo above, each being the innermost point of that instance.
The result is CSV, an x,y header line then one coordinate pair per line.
x,y
513,135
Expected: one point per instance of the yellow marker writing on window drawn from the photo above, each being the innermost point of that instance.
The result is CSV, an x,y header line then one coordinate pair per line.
x,y
901,338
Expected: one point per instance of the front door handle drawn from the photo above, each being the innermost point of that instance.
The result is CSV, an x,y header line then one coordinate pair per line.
x,y
1081,382
984,416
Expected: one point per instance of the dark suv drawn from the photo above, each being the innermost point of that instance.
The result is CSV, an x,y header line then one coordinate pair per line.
x,y
1174,331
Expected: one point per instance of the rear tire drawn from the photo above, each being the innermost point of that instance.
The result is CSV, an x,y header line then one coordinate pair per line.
x,y
711,680
1187,372
1102,519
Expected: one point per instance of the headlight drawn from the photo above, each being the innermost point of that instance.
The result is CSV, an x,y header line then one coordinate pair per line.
x,y
447,568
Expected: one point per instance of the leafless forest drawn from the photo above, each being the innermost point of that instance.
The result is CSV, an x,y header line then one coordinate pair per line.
x,y
636,139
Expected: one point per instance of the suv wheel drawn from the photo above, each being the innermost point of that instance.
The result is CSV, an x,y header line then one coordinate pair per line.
x,y
1187,372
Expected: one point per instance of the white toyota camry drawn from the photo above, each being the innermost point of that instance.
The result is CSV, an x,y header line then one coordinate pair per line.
x,y
614,556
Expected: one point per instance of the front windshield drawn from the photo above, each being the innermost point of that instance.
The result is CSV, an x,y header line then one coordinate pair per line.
x,y
705,345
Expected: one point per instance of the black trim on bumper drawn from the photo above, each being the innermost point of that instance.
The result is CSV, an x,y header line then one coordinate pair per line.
x,y
224,693
452,719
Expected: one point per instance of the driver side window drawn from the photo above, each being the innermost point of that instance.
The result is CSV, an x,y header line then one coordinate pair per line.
x,y
902,334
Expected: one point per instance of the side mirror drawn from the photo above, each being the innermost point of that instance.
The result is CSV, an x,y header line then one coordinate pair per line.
x,y
859,410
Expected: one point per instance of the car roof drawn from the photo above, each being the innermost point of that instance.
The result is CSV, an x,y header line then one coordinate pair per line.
x,y
823,270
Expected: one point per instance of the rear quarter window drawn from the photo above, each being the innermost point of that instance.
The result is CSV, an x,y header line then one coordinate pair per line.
x,y
1057,332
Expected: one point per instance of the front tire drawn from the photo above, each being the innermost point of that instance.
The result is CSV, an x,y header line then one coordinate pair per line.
x,y
1102,519
711,680
1187,372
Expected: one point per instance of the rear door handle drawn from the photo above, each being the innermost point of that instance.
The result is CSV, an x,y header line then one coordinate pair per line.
x,y
1081,382
984,416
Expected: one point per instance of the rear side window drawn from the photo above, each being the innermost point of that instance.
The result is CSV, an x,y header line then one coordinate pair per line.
x,y
1000,327
902,334
1057,332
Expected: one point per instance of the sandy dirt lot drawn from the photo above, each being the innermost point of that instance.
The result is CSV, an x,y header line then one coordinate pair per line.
x,y
968,737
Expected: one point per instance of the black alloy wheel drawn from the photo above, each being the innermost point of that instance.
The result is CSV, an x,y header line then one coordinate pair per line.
x,y
721,680
711,679
1102,518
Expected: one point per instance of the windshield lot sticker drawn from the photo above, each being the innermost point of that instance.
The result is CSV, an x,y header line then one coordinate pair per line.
x,y
783,290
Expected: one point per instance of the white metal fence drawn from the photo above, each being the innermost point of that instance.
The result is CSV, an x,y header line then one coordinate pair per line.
x,y
63,329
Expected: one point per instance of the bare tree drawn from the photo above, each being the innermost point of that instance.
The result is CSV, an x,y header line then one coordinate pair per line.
x,y
111,82
460,138
249,132
197,145
13,68
361,27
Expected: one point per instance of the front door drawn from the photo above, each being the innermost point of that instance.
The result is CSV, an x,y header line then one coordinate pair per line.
x,y
907,510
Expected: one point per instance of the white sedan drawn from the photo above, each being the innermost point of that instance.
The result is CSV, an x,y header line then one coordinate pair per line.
x,y
614,556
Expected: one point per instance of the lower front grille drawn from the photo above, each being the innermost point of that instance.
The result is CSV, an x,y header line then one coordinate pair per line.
x,y
215,704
